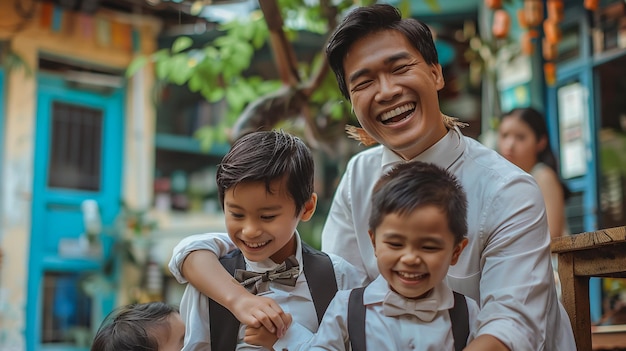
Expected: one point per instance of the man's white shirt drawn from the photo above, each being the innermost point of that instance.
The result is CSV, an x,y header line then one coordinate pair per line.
x,y
506,265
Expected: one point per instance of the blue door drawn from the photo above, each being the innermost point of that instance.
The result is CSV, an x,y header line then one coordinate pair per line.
x,y
78,157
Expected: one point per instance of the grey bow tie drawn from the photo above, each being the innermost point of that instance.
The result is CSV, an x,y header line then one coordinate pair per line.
x,y
256,283
396,305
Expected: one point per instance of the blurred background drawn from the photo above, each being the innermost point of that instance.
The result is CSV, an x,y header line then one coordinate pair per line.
x,y
114,114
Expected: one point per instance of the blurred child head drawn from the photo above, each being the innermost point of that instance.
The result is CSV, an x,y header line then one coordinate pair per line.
x,y
265,186
153,326
417,225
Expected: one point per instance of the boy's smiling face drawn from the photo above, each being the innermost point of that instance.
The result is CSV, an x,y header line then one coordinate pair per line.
x,y
262,223
414,250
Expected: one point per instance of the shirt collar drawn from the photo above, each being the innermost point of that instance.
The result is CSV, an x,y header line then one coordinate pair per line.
x,y
268,264
377,290
443,153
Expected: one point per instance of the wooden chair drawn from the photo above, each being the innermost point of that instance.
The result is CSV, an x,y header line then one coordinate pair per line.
x,y
601,253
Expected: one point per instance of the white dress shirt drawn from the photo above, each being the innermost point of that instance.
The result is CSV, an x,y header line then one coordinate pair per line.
x,y
506,265
393,333
194,307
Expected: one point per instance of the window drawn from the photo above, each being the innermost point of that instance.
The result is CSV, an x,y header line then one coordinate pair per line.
x,y
75,147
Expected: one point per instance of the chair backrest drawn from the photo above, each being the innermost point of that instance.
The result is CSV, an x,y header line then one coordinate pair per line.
x,y
601,253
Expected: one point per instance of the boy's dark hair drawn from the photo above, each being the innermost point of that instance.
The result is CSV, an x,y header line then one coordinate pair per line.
x,y
411,185
133,327
369,19
268,156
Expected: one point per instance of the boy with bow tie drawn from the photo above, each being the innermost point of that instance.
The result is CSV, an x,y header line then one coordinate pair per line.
x,y
265,186
417,227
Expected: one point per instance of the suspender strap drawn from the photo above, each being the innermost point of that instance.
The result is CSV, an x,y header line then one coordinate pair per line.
x,y
459,316
320,277
356,320
224,325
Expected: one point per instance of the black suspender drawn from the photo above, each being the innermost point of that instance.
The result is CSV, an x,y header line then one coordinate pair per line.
x,y
459,316
224,325
356,320
320,275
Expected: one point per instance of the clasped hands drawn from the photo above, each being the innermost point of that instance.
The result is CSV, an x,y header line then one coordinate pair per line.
x,y
266,322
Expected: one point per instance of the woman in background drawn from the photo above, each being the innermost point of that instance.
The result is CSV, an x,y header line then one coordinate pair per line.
x,y
523,140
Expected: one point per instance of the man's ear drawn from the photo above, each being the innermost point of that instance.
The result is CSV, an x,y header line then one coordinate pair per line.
x,y
457,251
309,208
438,76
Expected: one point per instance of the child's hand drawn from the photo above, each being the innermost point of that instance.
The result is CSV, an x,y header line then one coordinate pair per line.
x,y
261,336
258,311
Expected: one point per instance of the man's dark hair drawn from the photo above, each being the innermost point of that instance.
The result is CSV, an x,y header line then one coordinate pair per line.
x,y
369,19
267,156
411,185
133,327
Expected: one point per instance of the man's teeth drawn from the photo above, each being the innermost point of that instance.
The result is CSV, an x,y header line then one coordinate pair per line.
x,y
411,275
396,111
256,245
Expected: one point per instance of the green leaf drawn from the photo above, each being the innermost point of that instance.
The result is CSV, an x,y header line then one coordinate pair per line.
x,y
137,63
225,41
235,99
212,52
240,56
162,54
247,92
213,94
206,72
180,69
181,44
261,34
223,27
162,69
247,51
195,83
247,31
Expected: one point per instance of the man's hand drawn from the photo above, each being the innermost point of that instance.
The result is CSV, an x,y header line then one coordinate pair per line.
x,y
258,311
261,336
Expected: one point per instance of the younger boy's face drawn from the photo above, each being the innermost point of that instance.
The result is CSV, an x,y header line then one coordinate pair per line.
x,y
262,224
414,250
174,339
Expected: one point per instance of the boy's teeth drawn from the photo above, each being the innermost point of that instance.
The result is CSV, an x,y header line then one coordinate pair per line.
x,y
410,275
255,245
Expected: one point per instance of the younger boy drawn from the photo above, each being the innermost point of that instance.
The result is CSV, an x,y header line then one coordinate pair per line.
x,y
417,227
265,186
153,326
